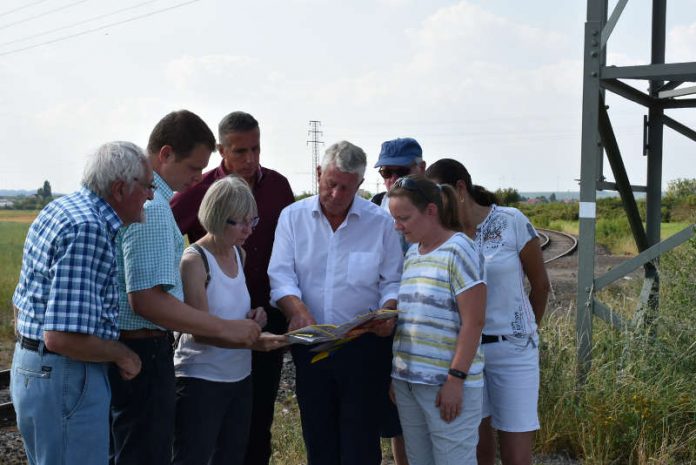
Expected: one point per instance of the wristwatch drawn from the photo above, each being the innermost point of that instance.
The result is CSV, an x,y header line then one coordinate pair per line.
x,y
457,373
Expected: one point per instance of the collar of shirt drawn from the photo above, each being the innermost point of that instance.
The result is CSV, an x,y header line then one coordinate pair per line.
x,y
113,222
163,188
354,210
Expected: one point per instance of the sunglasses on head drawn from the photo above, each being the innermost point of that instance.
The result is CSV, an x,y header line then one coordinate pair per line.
x,y
400,172
410,185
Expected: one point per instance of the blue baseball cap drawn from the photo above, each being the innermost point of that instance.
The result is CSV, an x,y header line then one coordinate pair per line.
x,y
399,152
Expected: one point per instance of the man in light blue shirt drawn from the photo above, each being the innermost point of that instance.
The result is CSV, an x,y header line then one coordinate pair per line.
x,y
142,409
334,257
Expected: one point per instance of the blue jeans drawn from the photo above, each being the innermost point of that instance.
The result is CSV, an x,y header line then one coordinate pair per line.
x,y
429,439
62,408
142,409
212,421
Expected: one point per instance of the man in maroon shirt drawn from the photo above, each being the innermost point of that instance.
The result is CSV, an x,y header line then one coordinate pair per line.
x,y
239,147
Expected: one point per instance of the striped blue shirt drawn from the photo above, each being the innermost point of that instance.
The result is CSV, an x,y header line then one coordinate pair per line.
x,y
68,278
149,254
429,320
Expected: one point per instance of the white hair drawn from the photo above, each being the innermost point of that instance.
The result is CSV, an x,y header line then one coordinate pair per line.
x,y
114,161
347,157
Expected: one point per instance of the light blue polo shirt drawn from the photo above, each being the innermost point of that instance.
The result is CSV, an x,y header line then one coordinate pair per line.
x,y
148,255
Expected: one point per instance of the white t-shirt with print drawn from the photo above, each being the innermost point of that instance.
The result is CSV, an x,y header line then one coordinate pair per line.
x,y
501,236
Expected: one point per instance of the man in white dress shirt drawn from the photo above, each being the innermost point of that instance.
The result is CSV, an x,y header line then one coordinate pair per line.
x,y
336,256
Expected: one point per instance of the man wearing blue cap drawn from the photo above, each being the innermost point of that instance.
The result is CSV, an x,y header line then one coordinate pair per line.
x,y
398,158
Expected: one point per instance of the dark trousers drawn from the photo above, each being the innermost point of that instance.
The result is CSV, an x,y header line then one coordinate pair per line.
x,y
142,409
339,404
265,373
212,421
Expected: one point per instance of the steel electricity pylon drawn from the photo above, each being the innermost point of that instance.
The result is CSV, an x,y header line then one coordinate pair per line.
x,y
666,91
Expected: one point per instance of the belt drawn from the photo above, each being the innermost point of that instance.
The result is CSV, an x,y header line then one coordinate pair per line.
x,y
142,333
33,345
487,339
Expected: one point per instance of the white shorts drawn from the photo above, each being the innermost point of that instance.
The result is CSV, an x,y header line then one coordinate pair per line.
x,y
511,391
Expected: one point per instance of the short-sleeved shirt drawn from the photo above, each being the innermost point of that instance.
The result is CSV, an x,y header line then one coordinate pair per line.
x,y
501,236
68,278
272,193
149,254
429,319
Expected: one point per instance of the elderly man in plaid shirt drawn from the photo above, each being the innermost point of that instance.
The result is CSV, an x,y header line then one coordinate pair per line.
x,y
66,309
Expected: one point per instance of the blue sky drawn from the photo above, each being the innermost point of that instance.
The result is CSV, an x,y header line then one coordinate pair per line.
x,y
494,83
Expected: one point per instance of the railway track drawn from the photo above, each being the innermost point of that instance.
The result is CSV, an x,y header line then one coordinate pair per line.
x,y
556,244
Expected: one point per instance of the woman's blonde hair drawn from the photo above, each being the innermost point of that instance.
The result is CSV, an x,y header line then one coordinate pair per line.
x,y
227,198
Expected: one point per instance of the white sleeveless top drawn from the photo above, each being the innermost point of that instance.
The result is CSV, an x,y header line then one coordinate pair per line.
x,y
228,298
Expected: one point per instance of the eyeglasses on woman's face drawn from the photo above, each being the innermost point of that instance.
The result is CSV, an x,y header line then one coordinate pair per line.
x,y
252,223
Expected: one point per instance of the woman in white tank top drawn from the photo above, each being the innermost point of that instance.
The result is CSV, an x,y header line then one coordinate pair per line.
x,y
213,408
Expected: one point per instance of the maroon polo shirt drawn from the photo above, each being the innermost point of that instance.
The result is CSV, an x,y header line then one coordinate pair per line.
x,y
272,193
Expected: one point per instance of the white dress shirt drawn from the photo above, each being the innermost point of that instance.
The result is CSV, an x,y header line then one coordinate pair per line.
x,y
340,274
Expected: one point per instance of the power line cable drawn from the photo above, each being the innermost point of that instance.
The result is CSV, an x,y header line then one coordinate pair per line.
x,y
41,15
79,23
9,12
117,23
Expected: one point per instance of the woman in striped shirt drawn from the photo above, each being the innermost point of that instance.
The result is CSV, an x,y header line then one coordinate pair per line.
x,y
437,367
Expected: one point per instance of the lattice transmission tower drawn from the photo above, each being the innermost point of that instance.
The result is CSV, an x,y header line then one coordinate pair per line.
x,y
315,142
666,92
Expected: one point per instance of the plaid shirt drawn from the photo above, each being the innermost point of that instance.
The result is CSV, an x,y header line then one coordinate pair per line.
x,y
148,256
68,277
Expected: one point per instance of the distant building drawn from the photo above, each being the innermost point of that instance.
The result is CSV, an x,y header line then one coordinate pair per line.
x,y
6,203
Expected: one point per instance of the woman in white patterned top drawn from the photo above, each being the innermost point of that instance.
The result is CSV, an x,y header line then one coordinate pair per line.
x,y
437,366
511,249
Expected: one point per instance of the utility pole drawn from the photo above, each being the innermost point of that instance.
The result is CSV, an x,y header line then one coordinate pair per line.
x,y
315,141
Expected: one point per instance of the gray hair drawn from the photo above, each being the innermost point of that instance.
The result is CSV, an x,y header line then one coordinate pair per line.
x,y
228,198
347,157
114,161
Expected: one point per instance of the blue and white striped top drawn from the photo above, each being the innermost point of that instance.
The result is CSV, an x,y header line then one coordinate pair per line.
x,y
429,320
68,277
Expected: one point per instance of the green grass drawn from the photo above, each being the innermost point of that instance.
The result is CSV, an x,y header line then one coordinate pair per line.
x,y
615,234
639,403
12,235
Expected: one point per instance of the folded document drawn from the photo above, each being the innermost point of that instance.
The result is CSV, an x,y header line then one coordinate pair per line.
x,y
315,334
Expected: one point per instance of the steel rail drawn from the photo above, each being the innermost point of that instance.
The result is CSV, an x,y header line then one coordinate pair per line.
x,y
570,250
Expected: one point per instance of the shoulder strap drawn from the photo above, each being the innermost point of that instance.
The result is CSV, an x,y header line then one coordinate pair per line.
x,y
204,257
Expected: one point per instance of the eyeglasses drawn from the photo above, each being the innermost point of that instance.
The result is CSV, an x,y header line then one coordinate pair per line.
x,y
400,172
252,223
410,184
